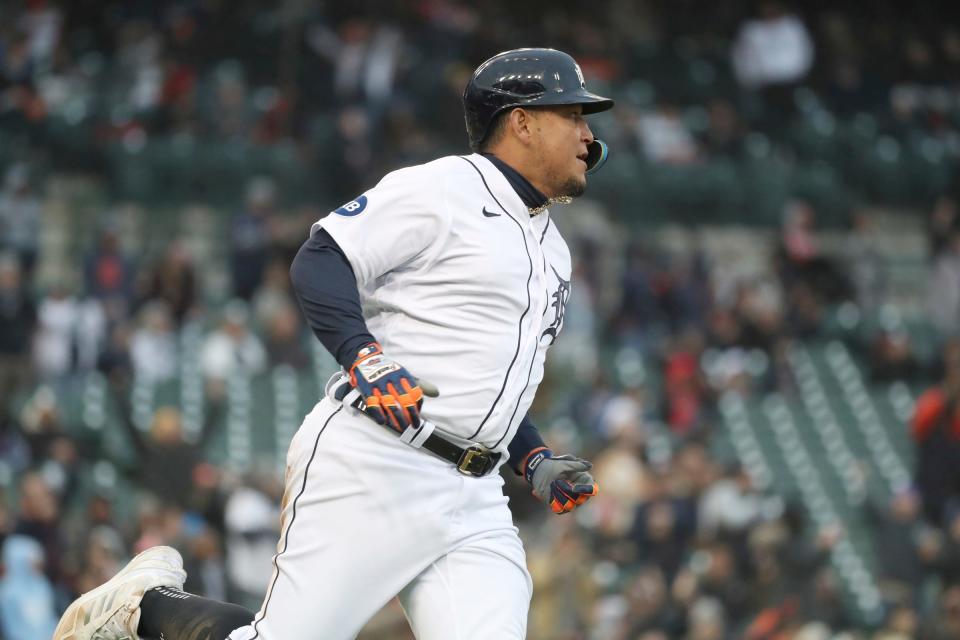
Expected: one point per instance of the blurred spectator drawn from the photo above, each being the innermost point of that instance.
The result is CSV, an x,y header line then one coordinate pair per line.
x,y
758,309
20,217
252,518
204,564
173,281
17,64
902,623
729,506
662,529
53,347
891,356
864,264
274,292
51,449
944,624
138,53
948,558
779,621
706,620
685,292
39,518
167,465
622,470
70,334
663,137
102,551
799,242
114,360
941,225
284,339
935,429
805,311
619,417
18,319
720,579
773,52
903,546
153,345
685,391
233,348
851,86
250,238
638,318
563,579
109,275
365,58
943,288
27,606
801,259
352,154
725,131
803,575
178,96
649,607
230,116
277,120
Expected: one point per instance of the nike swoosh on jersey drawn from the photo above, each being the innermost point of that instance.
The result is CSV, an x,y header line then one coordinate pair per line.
x,y
489,214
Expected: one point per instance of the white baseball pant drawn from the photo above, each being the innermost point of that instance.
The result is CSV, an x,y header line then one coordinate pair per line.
x,y
365,518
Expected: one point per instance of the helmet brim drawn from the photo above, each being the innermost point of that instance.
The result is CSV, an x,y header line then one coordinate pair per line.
x,y
595,104
592,103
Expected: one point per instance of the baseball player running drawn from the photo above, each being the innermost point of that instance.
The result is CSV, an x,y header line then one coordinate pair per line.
x,y
450,272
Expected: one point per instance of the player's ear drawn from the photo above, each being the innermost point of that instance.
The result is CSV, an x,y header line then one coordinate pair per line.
x,y
520,122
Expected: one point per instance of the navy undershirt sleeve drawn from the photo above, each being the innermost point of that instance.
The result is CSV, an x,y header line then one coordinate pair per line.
x,y
526,440
327,290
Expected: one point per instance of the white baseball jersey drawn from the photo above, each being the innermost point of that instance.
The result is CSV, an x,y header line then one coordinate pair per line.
x,y
461,285
465,289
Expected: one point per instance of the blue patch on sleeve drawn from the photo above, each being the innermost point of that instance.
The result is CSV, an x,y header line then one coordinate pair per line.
x,y
353,207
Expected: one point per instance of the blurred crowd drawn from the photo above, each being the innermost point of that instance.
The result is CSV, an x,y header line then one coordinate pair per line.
x,y
680,543
353,95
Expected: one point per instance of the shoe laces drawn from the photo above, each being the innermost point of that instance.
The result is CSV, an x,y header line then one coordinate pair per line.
x,y
122,625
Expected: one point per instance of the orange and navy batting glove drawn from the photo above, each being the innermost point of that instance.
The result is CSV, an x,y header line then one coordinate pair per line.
x,y
392,396
562,482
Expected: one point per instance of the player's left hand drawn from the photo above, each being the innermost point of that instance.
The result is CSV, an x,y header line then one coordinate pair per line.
x,y
392,396
562,482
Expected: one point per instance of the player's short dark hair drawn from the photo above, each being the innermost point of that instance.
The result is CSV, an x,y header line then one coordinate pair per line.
x,y
495,131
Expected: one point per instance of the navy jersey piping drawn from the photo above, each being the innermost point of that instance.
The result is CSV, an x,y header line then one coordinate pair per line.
x,y
529,371
286,534
516,353
544,234
519,397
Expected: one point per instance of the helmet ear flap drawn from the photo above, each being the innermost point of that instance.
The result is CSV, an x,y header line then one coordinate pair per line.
x,y
597,154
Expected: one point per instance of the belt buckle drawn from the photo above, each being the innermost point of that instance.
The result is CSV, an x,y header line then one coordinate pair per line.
x,y
466,460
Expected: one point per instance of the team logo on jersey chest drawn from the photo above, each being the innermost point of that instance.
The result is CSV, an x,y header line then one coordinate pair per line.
x,y
559,305
353,207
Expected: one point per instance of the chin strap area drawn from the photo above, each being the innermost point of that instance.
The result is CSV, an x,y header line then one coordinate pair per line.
x,y
597,154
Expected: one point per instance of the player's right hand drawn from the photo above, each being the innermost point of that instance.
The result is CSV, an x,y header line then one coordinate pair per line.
x,y
392,396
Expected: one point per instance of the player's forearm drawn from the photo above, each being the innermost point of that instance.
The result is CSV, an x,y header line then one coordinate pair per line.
x,y
526,441
327,291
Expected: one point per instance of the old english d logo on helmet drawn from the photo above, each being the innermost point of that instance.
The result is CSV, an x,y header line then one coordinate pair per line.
x,y
526,77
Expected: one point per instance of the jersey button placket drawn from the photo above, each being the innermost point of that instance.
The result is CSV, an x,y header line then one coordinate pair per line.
x,y
537,295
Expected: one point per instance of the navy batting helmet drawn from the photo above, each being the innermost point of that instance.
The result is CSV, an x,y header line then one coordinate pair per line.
x,y
528,78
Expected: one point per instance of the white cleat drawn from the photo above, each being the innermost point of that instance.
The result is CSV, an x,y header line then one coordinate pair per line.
x,y
112,610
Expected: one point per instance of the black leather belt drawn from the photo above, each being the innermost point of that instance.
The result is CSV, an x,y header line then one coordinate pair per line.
x,y
473,460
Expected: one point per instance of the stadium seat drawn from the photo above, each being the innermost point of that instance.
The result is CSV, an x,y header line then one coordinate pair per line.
x,y
765,177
